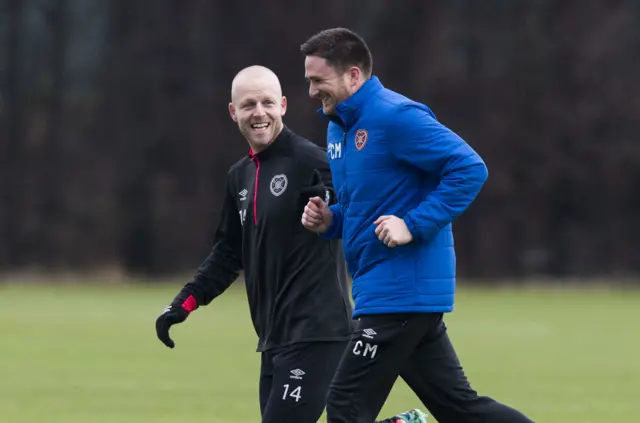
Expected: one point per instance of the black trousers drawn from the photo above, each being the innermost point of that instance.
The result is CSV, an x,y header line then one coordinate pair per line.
x,y
294,381
417,348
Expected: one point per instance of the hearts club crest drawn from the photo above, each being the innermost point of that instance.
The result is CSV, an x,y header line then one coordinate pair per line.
x,y
361,138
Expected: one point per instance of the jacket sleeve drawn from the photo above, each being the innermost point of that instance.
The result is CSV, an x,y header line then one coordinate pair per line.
x,y
322,175
419,139
335,230
223,264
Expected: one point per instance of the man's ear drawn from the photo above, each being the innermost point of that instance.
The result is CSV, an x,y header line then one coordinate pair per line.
x,y
232,112
356,76
283,105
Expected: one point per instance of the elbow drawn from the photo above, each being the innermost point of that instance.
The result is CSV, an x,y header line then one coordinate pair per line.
x,y
477,174
483,172
475,169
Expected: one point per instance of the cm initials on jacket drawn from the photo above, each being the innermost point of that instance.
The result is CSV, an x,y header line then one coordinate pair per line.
x,y
296,282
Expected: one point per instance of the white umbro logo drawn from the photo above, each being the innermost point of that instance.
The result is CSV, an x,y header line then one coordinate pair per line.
x,y
369,333
243,194
296,374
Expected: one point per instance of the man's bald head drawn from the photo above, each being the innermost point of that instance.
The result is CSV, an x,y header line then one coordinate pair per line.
x,y
255,78
257,106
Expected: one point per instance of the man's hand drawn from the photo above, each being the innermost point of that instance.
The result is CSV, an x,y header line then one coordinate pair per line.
x,y
169,317
392,231
317,216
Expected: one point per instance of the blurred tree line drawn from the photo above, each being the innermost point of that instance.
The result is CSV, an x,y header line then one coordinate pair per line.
x,y
115,137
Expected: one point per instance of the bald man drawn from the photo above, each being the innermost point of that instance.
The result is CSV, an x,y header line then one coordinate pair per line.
x,y
296,282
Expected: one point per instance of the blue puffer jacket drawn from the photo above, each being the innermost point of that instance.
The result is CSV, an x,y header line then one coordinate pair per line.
x,y
390,156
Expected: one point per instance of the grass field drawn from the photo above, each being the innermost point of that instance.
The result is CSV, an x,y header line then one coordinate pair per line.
x,y
72,354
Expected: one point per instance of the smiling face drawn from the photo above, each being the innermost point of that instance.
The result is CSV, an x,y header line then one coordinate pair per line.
x,y
257,106
329,85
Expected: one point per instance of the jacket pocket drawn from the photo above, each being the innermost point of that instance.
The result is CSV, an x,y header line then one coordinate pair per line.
x,y
403,262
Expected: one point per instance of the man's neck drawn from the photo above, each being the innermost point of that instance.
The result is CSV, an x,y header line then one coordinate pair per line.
x,y
358,86
260,148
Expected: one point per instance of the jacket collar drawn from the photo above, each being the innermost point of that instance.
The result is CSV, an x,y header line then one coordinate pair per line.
x,y
277,146
348,111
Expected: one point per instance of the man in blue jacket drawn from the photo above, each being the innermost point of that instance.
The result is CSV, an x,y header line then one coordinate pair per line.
x,y
402,178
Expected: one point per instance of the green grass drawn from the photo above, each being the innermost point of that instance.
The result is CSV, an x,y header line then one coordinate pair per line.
x,y
89,354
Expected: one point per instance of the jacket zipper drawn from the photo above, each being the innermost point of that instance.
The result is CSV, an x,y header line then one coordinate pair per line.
x,y
344,166
255,191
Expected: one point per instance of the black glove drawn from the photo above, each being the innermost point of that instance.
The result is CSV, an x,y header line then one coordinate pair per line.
x,y
316,188
171,316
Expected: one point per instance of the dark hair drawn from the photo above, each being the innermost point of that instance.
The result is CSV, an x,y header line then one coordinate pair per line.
x,y
341,47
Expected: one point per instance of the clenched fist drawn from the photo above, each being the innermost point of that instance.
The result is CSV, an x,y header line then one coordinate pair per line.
x,y
317,216
392,231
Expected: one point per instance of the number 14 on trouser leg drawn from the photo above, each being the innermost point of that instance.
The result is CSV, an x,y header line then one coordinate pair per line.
x,y
292,392
295,381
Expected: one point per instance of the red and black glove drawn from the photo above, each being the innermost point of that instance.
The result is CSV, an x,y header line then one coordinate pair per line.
x,y
177,312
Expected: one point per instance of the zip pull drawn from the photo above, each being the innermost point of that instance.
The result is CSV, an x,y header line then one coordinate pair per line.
x,y
255,190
